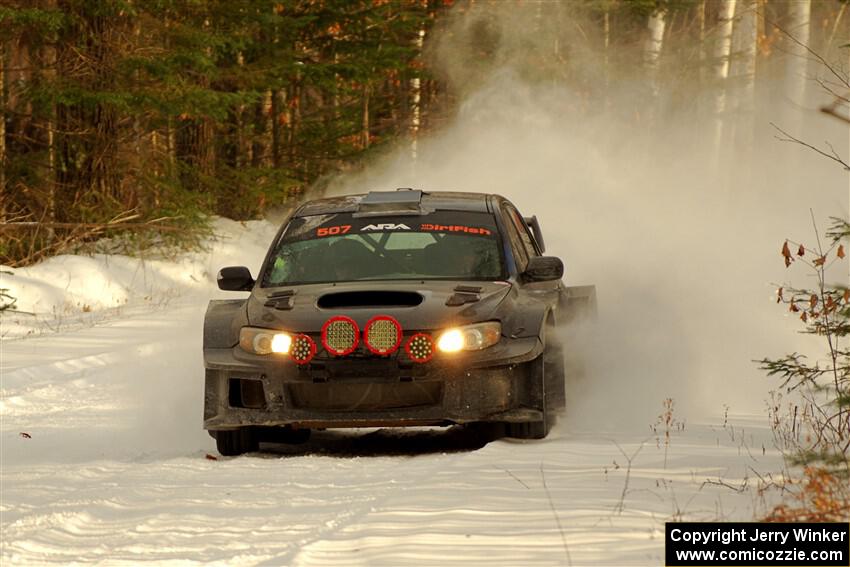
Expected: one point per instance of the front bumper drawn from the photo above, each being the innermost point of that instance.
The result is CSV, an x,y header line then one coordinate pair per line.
x,y
500,383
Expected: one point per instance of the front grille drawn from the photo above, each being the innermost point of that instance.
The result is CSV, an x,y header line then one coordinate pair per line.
x,y
365,397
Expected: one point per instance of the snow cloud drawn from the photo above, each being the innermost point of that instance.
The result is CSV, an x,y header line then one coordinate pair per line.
x,y
681,241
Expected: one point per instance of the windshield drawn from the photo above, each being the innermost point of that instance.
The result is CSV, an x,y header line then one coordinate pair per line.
x,y
343,247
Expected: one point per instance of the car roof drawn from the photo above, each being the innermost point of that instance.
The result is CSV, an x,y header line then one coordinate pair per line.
x,y
430,200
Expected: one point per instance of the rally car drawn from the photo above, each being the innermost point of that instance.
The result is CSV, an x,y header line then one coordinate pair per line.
x,y
390,309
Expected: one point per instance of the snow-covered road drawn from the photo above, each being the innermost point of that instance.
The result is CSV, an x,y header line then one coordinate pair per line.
x,y
104,461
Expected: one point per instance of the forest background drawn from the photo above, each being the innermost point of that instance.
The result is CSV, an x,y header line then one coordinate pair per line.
x,y
139,119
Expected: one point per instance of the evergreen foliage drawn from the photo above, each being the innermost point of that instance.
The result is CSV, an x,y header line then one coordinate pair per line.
x,y
144,117
174,110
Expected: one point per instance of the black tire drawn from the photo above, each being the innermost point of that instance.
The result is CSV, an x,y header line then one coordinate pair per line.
x,y
529,429
235,442
549,370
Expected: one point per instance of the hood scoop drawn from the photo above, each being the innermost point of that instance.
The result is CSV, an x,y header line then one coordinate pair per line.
x,y
354,299
464,294
281,300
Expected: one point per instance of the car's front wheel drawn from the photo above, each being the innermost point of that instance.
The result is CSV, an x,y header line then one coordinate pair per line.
x,y
233,442
530,429
548,373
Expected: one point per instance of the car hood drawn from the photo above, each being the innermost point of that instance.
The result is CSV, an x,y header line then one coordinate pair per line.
x,y
307,308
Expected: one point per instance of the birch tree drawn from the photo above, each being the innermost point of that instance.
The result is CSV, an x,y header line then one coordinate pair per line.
x,y
746,33
722,52
606,45
416,98
652,48
703,55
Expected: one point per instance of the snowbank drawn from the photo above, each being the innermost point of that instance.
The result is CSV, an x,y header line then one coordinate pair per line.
x,y
70,290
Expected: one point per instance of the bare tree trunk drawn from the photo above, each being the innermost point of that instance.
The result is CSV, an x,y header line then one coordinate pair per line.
x,y
170,134
241,139
143,155
652,48
703,55
278,109
415,100
799,13
364,137
50,75
204,135
156,154
19,74
3,195
262,154
606,42
746,33
205,147
294,114
170,144
722,51
830,43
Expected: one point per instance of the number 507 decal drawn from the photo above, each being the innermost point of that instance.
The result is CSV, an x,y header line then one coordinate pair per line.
x,y
333,230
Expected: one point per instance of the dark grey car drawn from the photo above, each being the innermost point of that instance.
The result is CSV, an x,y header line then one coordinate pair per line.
x,y
391,309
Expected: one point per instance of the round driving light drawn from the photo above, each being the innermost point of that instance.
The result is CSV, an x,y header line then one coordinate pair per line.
x,y
451,341
419,347
281,343
303,349
340,335
382,335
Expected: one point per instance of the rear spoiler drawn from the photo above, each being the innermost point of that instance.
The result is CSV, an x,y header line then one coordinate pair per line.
x,y
535,230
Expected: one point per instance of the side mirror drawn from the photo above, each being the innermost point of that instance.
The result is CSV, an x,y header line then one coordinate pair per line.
x,y
543,269
235,278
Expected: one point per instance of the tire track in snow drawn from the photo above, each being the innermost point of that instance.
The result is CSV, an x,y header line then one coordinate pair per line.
x,y
126,388
412,472
129,484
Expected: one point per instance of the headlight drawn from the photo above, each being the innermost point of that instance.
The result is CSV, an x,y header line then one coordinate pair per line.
x,y
470,337
264,341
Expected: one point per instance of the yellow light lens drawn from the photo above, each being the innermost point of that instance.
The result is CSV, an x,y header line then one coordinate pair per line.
x,y
451,341
281,343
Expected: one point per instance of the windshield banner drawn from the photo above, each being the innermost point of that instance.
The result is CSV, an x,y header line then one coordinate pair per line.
x,y
455,222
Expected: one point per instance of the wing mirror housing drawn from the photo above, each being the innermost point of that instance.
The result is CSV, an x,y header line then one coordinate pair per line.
x,y
543,269
235,278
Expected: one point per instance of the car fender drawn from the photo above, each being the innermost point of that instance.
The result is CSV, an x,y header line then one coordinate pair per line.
x,y
525,315
222,322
